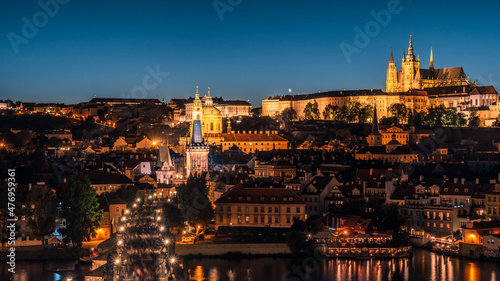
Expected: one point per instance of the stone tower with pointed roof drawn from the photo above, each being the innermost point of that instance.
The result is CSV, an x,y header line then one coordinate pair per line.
x,y
412,76
375,137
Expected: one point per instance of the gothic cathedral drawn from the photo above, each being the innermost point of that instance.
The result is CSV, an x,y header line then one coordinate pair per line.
x,y
411,76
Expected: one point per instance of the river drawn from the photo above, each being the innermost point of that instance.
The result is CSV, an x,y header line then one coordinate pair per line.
x,y
424,265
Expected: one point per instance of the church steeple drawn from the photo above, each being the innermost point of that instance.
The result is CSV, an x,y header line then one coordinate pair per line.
x,y
375,137
431,62
375,130
391,60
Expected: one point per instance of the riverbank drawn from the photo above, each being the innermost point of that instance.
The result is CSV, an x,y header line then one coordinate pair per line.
x,y
33,253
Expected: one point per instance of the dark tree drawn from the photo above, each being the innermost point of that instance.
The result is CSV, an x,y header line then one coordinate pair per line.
x,y
289,114
193,201
42,209
174,216
80,209
311,111
399,111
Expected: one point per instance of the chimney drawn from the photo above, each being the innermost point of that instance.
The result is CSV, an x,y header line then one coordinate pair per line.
x,y
477,180
421,177
455,180
371,171
64,180
463,181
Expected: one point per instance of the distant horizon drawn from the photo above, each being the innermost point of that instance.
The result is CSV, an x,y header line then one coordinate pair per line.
x,y
67,52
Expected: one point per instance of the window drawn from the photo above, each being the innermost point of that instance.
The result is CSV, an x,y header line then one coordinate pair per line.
x,y
287,219
297,210
275,209
239,208
255,219
262,219
247,219
221,218
247,209
255,209
288,209
269,219
117,209
270,209
262,209
229,208
276,219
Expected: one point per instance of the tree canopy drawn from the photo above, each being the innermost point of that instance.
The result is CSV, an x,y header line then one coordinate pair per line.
x,y
311,111
193,201
42,209
80,209
399,111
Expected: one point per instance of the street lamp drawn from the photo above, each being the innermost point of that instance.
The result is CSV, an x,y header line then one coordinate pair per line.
x,y
167,241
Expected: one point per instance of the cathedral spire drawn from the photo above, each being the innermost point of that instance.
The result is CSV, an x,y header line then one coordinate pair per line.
x,y
391,60
410,56
431,62
197,95
404,55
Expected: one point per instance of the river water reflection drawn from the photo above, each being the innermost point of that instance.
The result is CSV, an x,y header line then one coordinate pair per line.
x,y
424,265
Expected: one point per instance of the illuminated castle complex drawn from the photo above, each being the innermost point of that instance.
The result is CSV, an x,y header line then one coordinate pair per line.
x,y
412,76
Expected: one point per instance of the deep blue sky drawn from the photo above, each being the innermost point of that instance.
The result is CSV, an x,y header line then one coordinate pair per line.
x,y
261,48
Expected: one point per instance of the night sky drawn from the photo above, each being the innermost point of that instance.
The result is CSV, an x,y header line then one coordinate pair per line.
x,y
253,50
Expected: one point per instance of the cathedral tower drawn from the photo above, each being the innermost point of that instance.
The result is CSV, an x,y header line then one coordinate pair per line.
x,y
410,68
